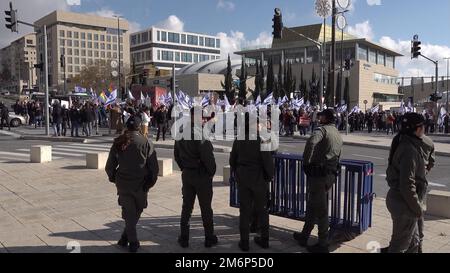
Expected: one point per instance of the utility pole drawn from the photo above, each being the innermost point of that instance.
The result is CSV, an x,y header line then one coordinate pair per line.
x,y
118,47
333,52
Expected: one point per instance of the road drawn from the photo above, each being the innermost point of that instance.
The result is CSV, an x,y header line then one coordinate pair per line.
x,y
13,150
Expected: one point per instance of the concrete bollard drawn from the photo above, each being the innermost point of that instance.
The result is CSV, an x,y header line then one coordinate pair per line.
x,y
41,154
438,203
226,174
165,166
96,161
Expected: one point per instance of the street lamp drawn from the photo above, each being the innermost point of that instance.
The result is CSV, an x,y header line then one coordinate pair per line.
x,y
118,48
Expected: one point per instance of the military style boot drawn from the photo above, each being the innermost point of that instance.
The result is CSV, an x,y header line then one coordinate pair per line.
x,y
211,241
301,239
123,242
262,242
244,245
134,246
183,239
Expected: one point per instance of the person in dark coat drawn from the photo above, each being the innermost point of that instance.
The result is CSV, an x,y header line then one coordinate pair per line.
x,y
161,120
75,118
4,116
65,120
57,118
198,165
253,169
133,167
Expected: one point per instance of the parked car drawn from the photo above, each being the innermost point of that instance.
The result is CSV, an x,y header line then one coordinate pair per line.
x,y
16,120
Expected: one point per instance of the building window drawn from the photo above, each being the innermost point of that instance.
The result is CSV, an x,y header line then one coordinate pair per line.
x,y
114,39
183,39
89,44
102,38
192,40
384,79
144,37
164,36
83,44
174,37
69,34
76,43
148,55
89,53
210,42
89,36
159,35
108,46
108,39
102,46
362,53
114,47
103,54
83,61
115,55
159,55
83,52
76,35
95,37
70,68
380,58
177,56
77,60
69,51
167,55
83,36
133,40
61,33
217,43
195,58
186,57
390,61
96,45
76,52
96,55
69,60
202,41
372,56
69,42
204,58
61,42
108,54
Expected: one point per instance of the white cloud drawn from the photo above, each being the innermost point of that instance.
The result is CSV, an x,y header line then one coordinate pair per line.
x,y
226,5
28,11
235,41
362,30
73,2
109,13
420,66
374,2
172,23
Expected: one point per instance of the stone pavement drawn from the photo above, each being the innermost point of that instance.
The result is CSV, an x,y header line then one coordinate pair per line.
x,y
43,208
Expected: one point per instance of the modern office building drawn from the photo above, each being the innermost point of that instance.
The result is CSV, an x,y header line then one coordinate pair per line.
x,y
17,64
165,48
420,90
85,40
372,78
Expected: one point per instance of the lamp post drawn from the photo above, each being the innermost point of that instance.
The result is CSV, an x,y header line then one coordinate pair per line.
x,y
118,48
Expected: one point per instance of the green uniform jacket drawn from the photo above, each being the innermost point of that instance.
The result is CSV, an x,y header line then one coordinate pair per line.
x,y
136,167
250,163
324,146
406,175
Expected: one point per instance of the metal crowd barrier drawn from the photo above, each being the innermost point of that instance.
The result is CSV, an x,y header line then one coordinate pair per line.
x,y
350,199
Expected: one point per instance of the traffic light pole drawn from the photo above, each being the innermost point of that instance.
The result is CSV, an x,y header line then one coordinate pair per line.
x,y
47,110
436,63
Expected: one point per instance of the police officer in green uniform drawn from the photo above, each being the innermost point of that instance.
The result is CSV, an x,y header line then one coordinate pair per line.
x,y
321,165
411,156
254,169
133,167
406,176
195,159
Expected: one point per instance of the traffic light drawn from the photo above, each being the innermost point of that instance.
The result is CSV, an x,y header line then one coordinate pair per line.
x,y
277,24
11,19
435,98
62,60
348,64
415,49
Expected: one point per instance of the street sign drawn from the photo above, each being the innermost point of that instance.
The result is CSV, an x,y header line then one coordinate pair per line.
x,y
365,102
115,73
341,22
343,4
416,38
114,64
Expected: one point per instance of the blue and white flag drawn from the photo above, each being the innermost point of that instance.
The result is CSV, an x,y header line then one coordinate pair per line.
x,y
169,99
285,99
258,101
355,109
342,108
93,94
142,97
205,100
227,104
79,89
130,96
268,100
375,109
112,98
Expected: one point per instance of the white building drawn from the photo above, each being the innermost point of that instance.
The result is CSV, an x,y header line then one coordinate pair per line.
x,y
164,48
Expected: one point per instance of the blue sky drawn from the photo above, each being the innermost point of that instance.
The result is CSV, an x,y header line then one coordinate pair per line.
x,y
243,23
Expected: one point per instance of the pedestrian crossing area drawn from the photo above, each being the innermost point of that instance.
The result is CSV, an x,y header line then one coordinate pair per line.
x,y
59,151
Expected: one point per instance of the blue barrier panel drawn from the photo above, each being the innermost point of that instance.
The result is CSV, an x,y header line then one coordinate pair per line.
x,y
350,199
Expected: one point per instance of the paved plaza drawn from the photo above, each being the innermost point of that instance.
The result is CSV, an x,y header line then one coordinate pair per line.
x,y
51,207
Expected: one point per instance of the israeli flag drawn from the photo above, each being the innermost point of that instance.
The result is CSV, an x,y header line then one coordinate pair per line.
x,y
355,110
112,98
268,100
375,109
285,99
130,96
342,109
79,89
169,99
205,100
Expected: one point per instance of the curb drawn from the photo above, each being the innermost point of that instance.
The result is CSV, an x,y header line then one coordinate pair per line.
x,y
374,146
55,139
9,133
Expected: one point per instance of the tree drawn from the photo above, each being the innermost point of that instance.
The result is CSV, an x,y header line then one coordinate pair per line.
x,y
302,87
338,89
328,90
228,85
280,80
347,92
270,77
243,82
262,90
313,88
257,90
289,84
